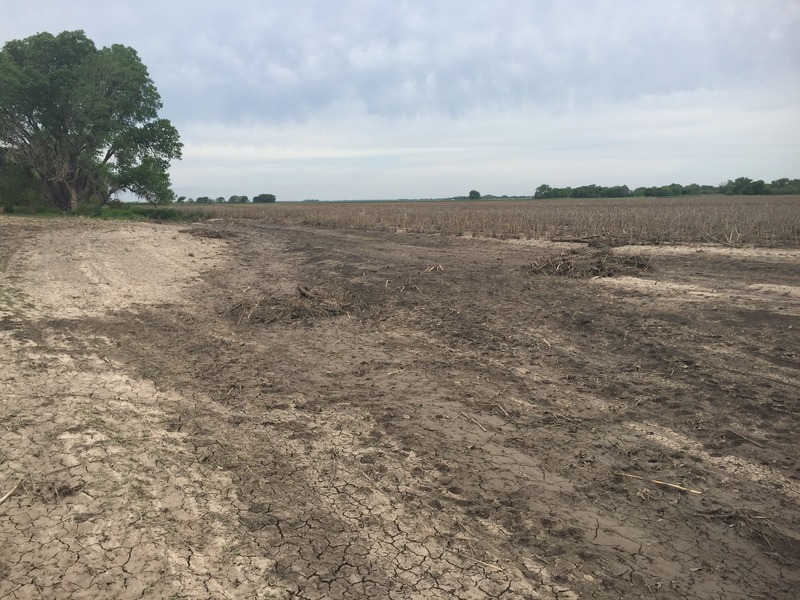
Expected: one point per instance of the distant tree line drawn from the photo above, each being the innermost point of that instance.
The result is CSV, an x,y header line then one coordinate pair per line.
x,y
741,186
261,198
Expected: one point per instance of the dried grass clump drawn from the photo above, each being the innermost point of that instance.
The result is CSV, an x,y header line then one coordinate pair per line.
x,y
582,264
309,304
205,232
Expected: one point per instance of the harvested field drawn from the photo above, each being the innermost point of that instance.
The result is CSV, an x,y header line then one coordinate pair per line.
x,y
240,409
730,221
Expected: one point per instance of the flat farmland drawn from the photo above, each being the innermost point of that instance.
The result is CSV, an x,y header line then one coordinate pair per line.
x,y
727,220
255,407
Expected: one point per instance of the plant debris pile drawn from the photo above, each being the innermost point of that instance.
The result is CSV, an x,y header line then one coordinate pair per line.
x,y
582,264
211,233
307,305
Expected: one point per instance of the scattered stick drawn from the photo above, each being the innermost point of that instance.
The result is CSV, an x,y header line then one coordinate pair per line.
x,y
746,439
374,485
657,482
57,470
252,310
8,495
333,469
766,539
503,410
559,416
721,242
31,476
501,392
434,268
465,415
480,562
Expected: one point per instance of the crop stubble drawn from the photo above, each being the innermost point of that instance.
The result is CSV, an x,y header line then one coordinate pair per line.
x,y
724,220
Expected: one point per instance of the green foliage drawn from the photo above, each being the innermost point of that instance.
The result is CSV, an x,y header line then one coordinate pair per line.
x,y
221,199
117,210
584,191
675,189
19,189
785,186
746,186
84,119
474,195
740,186
45,209
264,198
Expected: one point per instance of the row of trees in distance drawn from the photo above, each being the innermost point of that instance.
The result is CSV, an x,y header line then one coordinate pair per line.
x,y
260,199
736,187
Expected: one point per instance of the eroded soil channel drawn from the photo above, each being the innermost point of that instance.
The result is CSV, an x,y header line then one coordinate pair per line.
x,y
234,410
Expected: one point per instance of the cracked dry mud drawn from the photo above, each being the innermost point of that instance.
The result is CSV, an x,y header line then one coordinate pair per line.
x,y
475,431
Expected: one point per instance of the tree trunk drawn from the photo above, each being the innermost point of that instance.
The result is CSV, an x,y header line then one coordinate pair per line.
x,y
62,196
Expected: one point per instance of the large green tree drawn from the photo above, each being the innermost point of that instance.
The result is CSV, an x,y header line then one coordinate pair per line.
x,y
84,119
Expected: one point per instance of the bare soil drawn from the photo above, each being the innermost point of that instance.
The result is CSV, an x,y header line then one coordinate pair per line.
x,y
235,410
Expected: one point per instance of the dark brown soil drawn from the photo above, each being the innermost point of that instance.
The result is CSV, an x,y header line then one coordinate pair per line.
x,y
419,416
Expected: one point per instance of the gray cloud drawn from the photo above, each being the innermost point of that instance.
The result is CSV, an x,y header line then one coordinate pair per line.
x,y
394,58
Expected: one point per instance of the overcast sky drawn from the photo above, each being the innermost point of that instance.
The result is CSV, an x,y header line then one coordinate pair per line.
x,y
432,98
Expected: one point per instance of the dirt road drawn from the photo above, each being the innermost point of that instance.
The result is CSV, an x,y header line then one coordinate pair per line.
x,y
232,410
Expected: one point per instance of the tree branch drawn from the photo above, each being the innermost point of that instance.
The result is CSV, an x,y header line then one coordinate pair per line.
x,y
109,155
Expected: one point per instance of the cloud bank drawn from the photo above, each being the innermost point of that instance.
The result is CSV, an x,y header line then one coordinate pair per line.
x,y
364,99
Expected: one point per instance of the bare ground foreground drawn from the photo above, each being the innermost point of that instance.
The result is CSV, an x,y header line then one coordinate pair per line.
x,y
235,410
